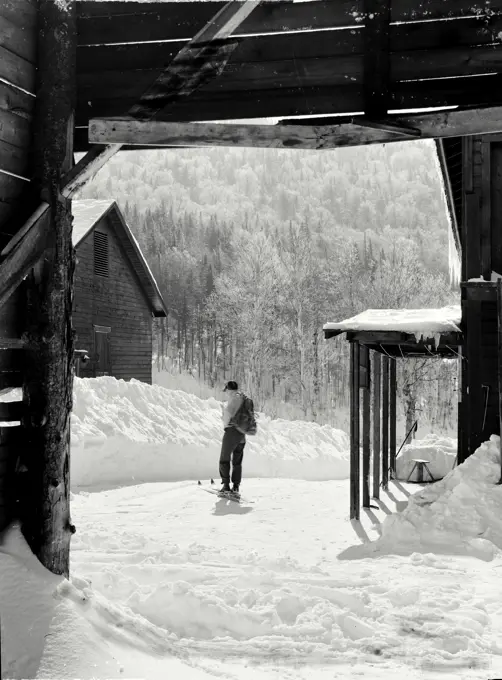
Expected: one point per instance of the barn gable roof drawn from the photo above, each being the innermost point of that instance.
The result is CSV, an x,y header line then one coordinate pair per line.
x,y
87,213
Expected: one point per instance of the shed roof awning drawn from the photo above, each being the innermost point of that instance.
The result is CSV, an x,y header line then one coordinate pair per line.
x,y
404,332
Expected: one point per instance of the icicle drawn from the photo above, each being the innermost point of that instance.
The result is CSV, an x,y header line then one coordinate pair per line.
x,y
453,257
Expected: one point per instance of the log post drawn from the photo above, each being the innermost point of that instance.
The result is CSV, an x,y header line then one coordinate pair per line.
x,y
392,416
499,364
48,382
376,423
354,430
385,421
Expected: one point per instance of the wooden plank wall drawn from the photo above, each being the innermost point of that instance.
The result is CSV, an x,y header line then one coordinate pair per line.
x,y
17,101
291,72
116,301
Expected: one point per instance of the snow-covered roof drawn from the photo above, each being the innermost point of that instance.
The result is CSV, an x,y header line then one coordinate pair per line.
x,y
426,322
86,214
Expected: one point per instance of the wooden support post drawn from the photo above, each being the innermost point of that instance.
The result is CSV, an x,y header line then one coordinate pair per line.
x,y
385,421
366,412
48,384
376,423
499,365
392,416
354,430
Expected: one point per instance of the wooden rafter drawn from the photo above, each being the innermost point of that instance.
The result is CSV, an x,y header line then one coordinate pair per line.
x,y
198,62
348,132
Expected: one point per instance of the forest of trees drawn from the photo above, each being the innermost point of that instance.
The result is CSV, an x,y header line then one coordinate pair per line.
x,y
254,250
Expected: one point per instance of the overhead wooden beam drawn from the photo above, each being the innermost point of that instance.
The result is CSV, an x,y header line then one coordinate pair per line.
x,y
453,123
198,62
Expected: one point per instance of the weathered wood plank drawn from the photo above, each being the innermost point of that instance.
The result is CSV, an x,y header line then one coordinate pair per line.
x,y
202,106
13,159
16,70
496,204
156,133
11,187
316,71
87,167
376,422
19,259
404,39
115,22
18,39
354,431
15,101
20,12
14,129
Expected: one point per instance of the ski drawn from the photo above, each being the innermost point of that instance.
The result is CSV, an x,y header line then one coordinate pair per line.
x,y
226,495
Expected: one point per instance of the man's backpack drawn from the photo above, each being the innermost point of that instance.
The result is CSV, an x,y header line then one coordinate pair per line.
x,y
244,420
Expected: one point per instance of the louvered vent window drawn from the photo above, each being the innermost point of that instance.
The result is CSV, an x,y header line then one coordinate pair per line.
x,y
100,253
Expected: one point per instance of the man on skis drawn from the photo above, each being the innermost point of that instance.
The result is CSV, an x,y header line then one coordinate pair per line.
x,y
234,440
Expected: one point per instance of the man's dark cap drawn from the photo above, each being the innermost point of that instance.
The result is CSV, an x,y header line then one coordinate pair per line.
x,y
231,385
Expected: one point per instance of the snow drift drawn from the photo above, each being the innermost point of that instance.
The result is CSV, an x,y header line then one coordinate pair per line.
x,y
131,432
440,451
463,511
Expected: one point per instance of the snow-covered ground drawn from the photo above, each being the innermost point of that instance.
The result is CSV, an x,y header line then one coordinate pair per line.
x,y
170,581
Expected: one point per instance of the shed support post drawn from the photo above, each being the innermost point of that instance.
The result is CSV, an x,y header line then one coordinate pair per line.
x,y
376,423
385,421
48,381
392,416
366,429
499,363
354,430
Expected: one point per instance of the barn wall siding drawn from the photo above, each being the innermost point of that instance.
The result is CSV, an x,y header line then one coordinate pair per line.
x,y
117,301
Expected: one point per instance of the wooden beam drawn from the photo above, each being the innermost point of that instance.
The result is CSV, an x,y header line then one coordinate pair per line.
x,y
121,21
376,58
300,136
87,167
376,423
48,356
366,416
23,251
486,208
385,421
354,431
392,416
201,60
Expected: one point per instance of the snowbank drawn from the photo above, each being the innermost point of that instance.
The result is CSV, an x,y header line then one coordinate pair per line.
x,y
463,510
130,432
440,451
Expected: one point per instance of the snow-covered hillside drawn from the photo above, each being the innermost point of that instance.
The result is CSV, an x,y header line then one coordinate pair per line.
x,y
130,432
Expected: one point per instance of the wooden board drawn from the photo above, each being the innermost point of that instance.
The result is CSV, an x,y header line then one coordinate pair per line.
x,y
11,188
16,102
18,39
115,22
14,69
285,102
11,411
316,71
13,159
14,130
20,12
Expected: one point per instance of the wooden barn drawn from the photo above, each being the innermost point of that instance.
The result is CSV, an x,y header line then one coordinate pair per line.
x,y
103,77
115,297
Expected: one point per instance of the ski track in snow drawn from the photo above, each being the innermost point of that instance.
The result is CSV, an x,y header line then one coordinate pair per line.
x,y
227,587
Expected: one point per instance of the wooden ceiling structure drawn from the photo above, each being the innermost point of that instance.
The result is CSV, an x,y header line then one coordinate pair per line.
x,y
102,76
